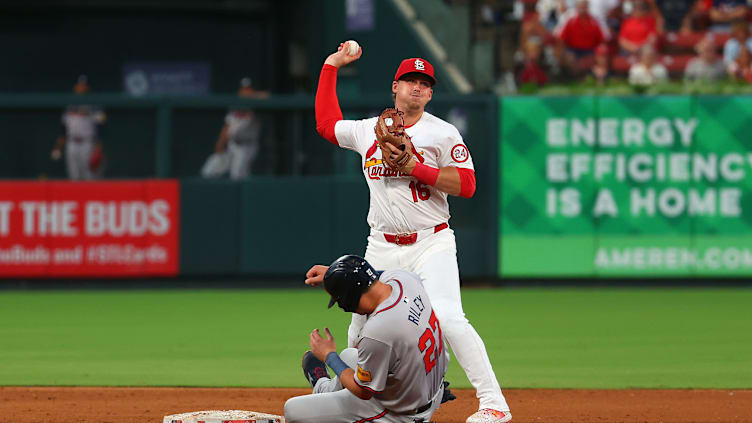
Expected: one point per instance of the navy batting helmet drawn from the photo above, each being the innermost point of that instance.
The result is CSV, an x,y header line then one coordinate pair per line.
x,y
347,279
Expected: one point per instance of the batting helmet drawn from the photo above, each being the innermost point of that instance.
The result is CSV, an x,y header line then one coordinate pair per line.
x,y
347,279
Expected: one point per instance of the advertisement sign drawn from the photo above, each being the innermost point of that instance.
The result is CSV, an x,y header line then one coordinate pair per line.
x,y
359,15
168,78
127,228
638,186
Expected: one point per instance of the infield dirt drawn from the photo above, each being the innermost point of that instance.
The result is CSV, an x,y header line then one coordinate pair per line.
x,y
149,405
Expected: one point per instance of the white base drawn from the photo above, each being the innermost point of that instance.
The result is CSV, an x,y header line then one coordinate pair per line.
x,y
222,416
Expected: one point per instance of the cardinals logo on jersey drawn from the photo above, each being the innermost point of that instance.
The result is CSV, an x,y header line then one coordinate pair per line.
x,y
377,168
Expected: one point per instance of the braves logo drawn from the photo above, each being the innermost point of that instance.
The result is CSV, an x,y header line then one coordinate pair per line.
x,y
460,153
419,65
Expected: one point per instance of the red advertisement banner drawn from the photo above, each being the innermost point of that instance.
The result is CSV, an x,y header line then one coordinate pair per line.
x,y
94,229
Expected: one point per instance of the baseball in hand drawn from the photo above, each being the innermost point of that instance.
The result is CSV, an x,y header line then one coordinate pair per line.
x,y
352,47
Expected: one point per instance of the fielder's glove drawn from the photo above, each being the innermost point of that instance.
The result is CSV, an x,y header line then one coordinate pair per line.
x,y
390,129
96,159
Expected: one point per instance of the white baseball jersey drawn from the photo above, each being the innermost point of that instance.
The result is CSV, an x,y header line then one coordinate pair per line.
x,y
81,121
401,354
400,203
242,127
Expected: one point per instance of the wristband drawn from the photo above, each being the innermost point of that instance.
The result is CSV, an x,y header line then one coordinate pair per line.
x,y
426,174
335,363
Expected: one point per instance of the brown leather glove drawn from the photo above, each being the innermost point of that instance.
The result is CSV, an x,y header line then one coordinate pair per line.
x,y
390,129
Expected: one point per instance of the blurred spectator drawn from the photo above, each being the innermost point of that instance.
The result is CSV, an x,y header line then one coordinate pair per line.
x,y
724,12
239,140
706,67
698,17
674,12
639,29
531,27
601,69
579,34
550,11
741,68
606,11
648,70
739,37
532,72
491,13
84,159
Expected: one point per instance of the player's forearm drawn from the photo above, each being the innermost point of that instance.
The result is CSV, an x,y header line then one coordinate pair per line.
x,y
450,179
348,381
327,108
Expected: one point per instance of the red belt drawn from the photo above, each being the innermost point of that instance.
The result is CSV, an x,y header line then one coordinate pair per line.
x,y
411,238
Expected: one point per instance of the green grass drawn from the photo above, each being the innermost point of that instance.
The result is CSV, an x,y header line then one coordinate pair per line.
x,y
559,338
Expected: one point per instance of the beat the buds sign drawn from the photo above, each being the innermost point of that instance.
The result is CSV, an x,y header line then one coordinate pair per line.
x,y
127,228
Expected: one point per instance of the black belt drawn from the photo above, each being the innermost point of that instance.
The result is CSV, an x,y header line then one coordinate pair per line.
x,y
424,408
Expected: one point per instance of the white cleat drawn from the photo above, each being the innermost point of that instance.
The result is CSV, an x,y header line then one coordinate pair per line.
x,y
488,415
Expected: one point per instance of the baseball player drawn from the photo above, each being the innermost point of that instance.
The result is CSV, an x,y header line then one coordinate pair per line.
x,y
396,371
83,149
241,134
409,212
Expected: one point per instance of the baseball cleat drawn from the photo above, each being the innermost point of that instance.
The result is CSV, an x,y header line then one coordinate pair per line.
x,y
488,415
313,368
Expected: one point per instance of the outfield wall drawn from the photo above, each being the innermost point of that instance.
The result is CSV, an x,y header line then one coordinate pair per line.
x,y
305,202
583,187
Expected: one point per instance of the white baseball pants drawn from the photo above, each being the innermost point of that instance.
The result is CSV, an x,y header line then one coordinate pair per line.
x,y
77,154
241,156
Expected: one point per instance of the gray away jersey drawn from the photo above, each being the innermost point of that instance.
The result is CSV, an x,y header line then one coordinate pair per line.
x,y
402,358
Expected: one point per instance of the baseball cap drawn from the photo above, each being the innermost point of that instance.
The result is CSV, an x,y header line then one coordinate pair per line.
x,y
415,65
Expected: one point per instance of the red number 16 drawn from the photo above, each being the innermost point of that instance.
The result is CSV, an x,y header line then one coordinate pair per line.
x,y
419,191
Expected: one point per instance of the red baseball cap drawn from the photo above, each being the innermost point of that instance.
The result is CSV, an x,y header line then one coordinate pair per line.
x,y
415,65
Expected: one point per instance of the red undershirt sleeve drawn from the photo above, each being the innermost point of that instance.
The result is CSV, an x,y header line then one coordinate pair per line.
x,y
327,108
467,182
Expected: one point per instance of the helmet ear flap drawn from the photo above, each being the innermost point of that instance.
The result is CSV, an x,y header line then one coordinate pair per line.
x,y
350,302
347,279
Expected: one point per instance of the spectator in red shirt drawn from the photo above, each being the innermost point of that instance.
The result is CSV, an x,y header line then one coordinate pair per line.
x,y
578,34
532,72
601,70
639,29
